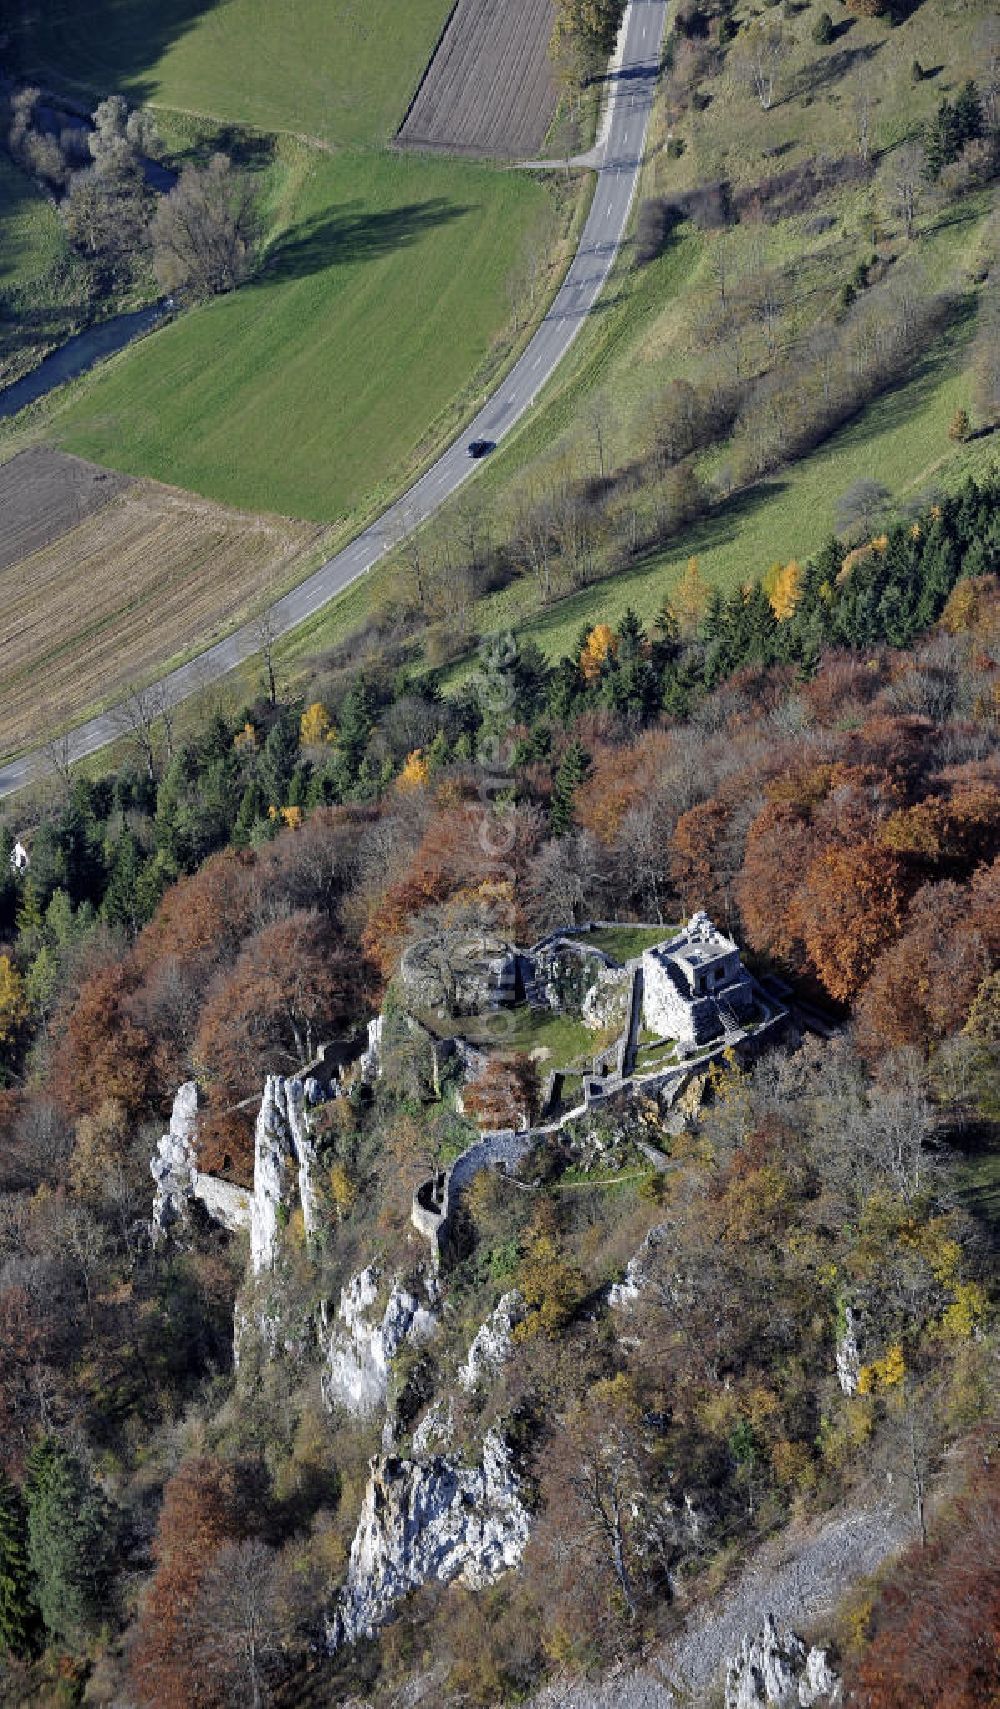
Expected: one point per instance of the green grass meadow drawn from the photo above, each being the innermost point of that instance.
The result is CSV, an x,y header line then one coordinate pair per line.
x,y
303,392
31,237
901,439
340,70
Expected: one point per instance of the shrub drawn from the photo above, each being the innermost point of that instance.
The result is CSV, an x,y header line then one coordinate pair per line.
x,y
691,20
204,231
822,32
657,219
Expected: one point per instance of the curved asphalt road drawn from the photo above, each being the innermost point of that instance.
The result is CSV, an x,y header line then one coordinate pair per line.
x,y
617,178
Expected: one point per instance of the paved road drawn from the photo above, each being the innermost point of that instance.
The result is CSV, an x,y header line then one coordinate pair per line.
x,y
616,182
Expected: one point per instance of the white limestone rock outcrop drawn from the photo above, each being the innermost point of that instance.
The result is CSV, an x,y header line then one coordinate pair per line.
x,y
492,1342
175,1168
606,1002
438,1520
224,1201
179,1180
363,1344
435,1433
472,973
284,1168
623,1294
848,1354
773,1670
370,1061
564,972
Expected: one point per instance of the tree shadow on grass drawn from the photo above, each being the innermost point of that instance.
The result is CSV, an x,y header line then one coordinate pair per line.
x,y
719,528
353,234
252,151
133,40
821,74
907,396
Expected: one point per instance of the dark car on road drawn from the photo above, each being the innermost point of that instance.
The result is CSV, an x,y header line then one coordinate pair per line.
x,y
481,447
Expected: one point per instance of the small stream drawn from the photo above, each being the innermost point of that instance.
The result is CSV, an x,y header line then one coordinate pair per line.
x,y
55,120
78,354
87,348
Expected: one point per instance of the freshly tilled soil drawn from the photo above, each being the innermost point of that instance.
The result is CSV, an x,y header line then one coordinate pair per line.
x,y
43,493
489,89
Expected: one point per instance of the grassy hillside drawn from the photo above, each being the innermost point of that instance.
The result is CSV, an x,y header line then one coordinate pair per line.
x,y
43,289
344,72
307,389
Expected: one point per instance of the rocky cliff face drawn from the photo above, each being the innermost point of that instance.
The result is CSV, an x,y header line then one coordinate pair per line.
x,y
623,1294
363,1344
179,1180
848,1354
773,1670
439,1519
284,1168
492,1342
174,1168
607,1000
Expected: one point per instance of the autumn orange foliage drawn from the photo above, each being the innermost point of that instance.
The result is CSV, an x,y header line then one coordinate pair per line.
x,y
199,1514
202,918
463,848
611,790
289,985
851,909
936,1642
924,985
103,1053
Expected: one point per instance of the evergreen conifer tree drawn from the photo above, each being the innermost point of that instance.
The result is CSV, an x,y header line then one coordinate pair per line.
x,y
121,906
253,807
67,1521
18,1614
278,759
573,768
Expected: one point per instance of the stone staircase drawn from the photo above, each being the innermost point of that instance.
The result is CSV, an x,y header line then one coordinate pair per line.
x,y
733,1026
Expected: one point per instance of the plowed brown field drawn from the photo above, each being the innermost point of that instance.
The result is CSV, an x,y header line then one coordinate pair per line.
x,y
42,493
149,575
489,88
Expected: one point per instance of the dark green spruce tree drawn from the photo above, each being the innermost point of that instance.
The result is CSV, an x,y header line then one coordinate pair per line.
x,y
67,1541
573,768
18,1611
